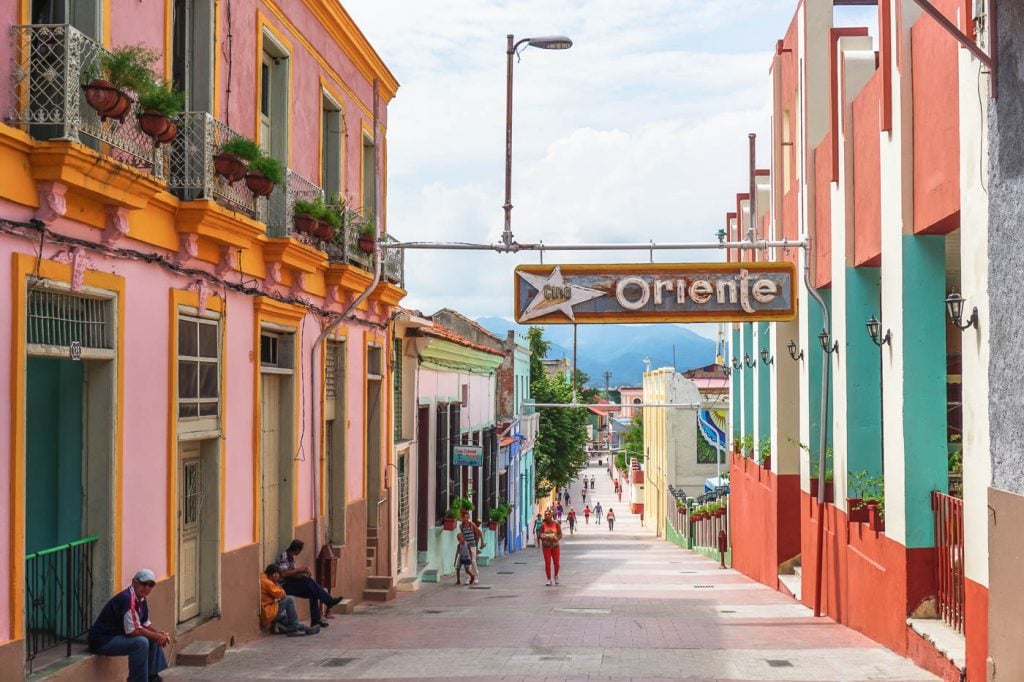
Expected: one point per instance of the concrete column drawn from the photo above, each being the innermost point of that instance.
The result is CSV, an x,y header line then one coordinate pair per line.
x,y
785,400
749,385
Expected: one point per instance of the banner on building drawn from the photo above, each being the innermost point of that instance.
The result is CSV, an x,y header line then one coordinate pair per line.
x,y
681,292
467,455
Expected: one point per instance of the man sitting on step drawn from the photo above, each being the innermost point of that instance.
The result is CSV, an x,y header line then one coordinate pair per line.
x,y
298,582
123,628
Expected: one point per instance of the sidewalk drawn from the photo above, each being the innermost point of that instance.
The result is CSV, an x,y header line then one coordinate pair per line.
x,y
629,607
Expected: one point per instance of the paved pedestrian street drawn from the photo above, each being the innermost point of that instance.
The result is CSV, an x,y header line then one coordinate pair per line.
x,y
629,607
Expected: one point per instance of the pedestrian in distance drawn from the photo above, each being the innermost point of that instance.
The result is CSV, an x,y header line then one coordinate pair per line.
x,y
536,529
572,521
611,519
591,481
277,609
475,540
583,493
550,537
123,628
558,510
597,512
463,558
298,582
586,514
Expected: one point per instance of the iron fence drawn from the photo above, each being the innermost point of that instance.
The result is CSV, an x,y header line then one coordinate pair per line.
x,y
50,63
191,173
345,248
280,209
58,596
948,514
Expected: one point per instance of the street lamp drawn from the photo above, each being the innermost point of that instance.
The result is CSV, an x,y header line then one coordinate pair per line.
x,y
875,332
791,346
544,43
827,344
765,358
955,308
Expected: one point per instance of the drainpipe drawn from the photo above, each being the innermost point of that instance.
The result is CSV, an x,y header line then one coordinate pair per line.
x,y
825,369
378,254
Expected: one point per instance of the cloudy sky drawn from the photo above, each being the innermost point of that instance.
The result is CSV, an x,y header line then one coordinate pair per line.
x,y
637,133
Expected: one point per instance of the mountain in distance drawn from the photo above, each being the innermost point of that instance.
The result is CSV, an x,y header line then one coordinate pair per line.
x,y
618,348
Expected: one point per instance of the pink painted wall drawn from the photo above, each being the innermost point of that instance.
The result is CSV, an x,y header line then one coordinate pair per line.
x,y
355,472
438,386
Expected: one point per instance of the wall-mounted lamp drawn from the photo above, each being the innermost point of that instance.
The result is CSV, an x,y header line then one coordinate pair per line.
x,y
827,345
736,364
955,308
792,351
721,236
728,371
875,331
765,359
748,362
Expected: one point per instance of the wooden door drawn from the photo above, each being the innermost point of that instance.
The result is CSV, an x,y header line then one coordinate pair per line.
x,y
189,519
270,465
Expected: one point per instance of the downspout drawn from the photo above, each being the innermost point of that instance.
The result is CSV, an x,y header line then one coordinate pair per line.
x,y
378,254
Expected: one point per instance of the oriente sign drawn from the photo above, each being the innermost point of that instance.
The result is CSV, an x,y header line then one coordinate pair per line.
x,y
681,292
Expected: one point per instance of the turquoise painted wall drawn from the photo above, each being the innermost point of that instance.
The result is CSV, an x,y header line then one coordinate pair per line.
x,y
734,398
924,382
863,363
748,380
813,357
764,383
53,472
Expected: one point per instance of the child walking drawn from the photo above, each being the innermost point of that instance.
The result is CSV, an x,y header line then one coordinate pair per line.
x,y
463,557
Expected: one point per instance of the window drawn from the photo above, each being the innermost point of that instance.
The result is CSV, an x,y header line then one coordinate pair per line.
x,y
198,367
60,319
374,367
396,399
369,175
192,52
276,350
330,147
441,450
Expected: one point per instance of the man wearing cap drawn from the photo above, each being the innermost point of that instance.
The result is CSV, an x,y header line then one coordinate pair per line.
x,y
123,628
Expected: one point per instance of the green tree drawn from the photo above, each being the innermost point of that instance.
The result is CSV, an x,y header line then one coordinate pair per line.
x,y
538,351
632,442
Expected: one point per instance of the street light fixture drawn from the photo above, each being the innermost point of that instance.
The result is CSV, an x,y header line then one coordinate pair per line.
x,y
544,43
875,331
826,344
765,359
736,363
792,351
748,362
955,308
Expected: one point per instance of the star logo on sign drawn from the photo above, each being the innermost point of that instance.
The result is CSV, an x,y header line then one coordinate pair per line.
x,y
564,298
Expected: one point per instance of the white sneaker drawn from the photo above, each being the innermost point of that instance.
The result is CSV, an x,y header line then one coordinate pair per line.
x,y
547,584
556,581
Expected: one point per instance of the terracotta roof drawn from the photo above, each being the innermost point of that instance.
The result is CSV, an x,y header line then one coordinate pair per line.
x,y
470,322
439,332
507,440
604,409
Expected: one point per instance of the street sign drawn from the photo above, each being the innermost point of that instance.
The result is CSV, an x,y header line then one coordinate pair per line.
x,y
467,455
681,292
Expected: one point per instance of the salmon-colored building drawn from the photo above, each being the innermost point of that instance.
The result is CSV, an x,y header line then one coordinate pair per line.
x,y
193,379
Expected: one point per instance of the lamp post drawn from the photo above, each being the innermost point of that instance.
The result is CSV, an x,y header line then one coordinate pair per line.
x,y
544,43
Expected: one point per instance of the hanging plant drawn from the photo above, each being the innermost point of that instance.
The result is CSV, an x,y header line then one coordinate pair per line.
x,y
232,161
109,79
158,104
264,174
368,235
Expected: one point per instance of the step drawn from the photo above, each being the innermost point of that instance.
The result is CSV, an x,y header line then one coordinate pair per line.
x,y
797,571
378,595
483,561
791,585
429,575
344,606
201,653
411,584
379,582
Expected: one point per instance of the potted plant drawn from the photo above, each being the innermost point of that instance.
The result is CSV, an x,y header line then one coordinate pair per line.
x,y
329,224
232,161
871,490
494,517
306,215
264,174
113,74
450,514
367,235
158,103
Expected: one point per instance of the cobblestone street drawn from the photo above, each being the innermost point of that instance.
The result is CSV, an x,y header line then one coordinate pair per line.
x,y
629,606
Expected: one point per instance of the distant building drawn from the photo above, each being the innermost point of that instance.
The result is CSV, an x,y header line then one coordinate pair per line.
x,y
630,395
555,366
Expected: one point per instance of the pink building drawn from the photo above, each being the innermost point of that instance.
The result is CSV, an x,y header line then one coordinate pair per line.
x,y
194,381
631,395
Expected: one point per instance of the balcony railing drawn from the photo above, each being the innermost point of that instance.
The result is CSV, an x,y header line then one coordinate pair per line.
x,y
948,515
48,67
191,172
280,215
58,596
345,249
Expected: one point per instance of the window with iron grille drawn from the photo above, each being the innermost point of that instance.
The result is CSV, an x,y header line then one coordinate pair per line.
x,y
60,318
396,378
198,367
455,436
333,372
374,366
490,472
441,448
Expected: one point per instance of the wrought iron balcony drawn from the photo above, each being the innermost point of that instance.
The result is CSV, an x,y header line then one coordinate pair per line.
x,y
345,249
280,213
48,66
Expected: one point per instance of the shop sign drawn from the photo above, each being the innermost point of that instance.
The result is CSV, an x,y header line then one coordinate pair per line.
x,y
682,292
467,455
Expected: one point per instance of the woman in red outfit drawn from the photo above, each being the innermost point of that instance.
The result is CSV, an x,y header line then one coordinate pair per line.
x,y
550,536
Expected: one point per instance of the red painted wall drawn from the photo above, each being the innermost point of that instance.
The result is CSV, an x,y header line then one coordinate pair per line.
x,y
936,124
764,519
976,628
867,169
823,213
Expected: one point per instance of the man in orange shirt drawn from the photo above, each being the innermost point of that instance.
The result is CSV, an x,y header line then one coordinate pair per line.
x,y
277,609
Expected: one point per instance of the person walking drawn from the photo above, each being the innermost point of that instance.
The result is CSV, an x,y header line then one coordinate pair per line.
x,y
536,529
611,519
584,494
572,521
475,540
463,558
586,514
591,481
597,512
558,510
550,537
566,497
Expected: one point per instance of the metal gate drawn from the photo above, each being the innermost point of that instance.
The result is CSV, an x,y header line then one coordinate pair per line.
x,y
403,510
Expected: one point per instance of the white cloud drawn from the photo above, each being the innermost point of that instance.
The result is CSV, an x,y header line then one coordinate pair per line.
x,y
638,132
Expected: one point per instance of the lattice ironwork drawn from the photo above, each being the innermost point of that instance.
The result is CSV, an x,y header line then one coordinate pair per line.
x,y
345,249
58,596
58,318
280,215
50,64
191,173
332,375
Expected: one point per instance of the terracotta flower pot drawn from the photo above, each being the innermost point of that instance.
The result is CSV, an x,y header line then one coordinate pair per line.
x,y
259,184
231,167
158,126
719,513
305,223
449,524
107,100
367,243
874,518
324,230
